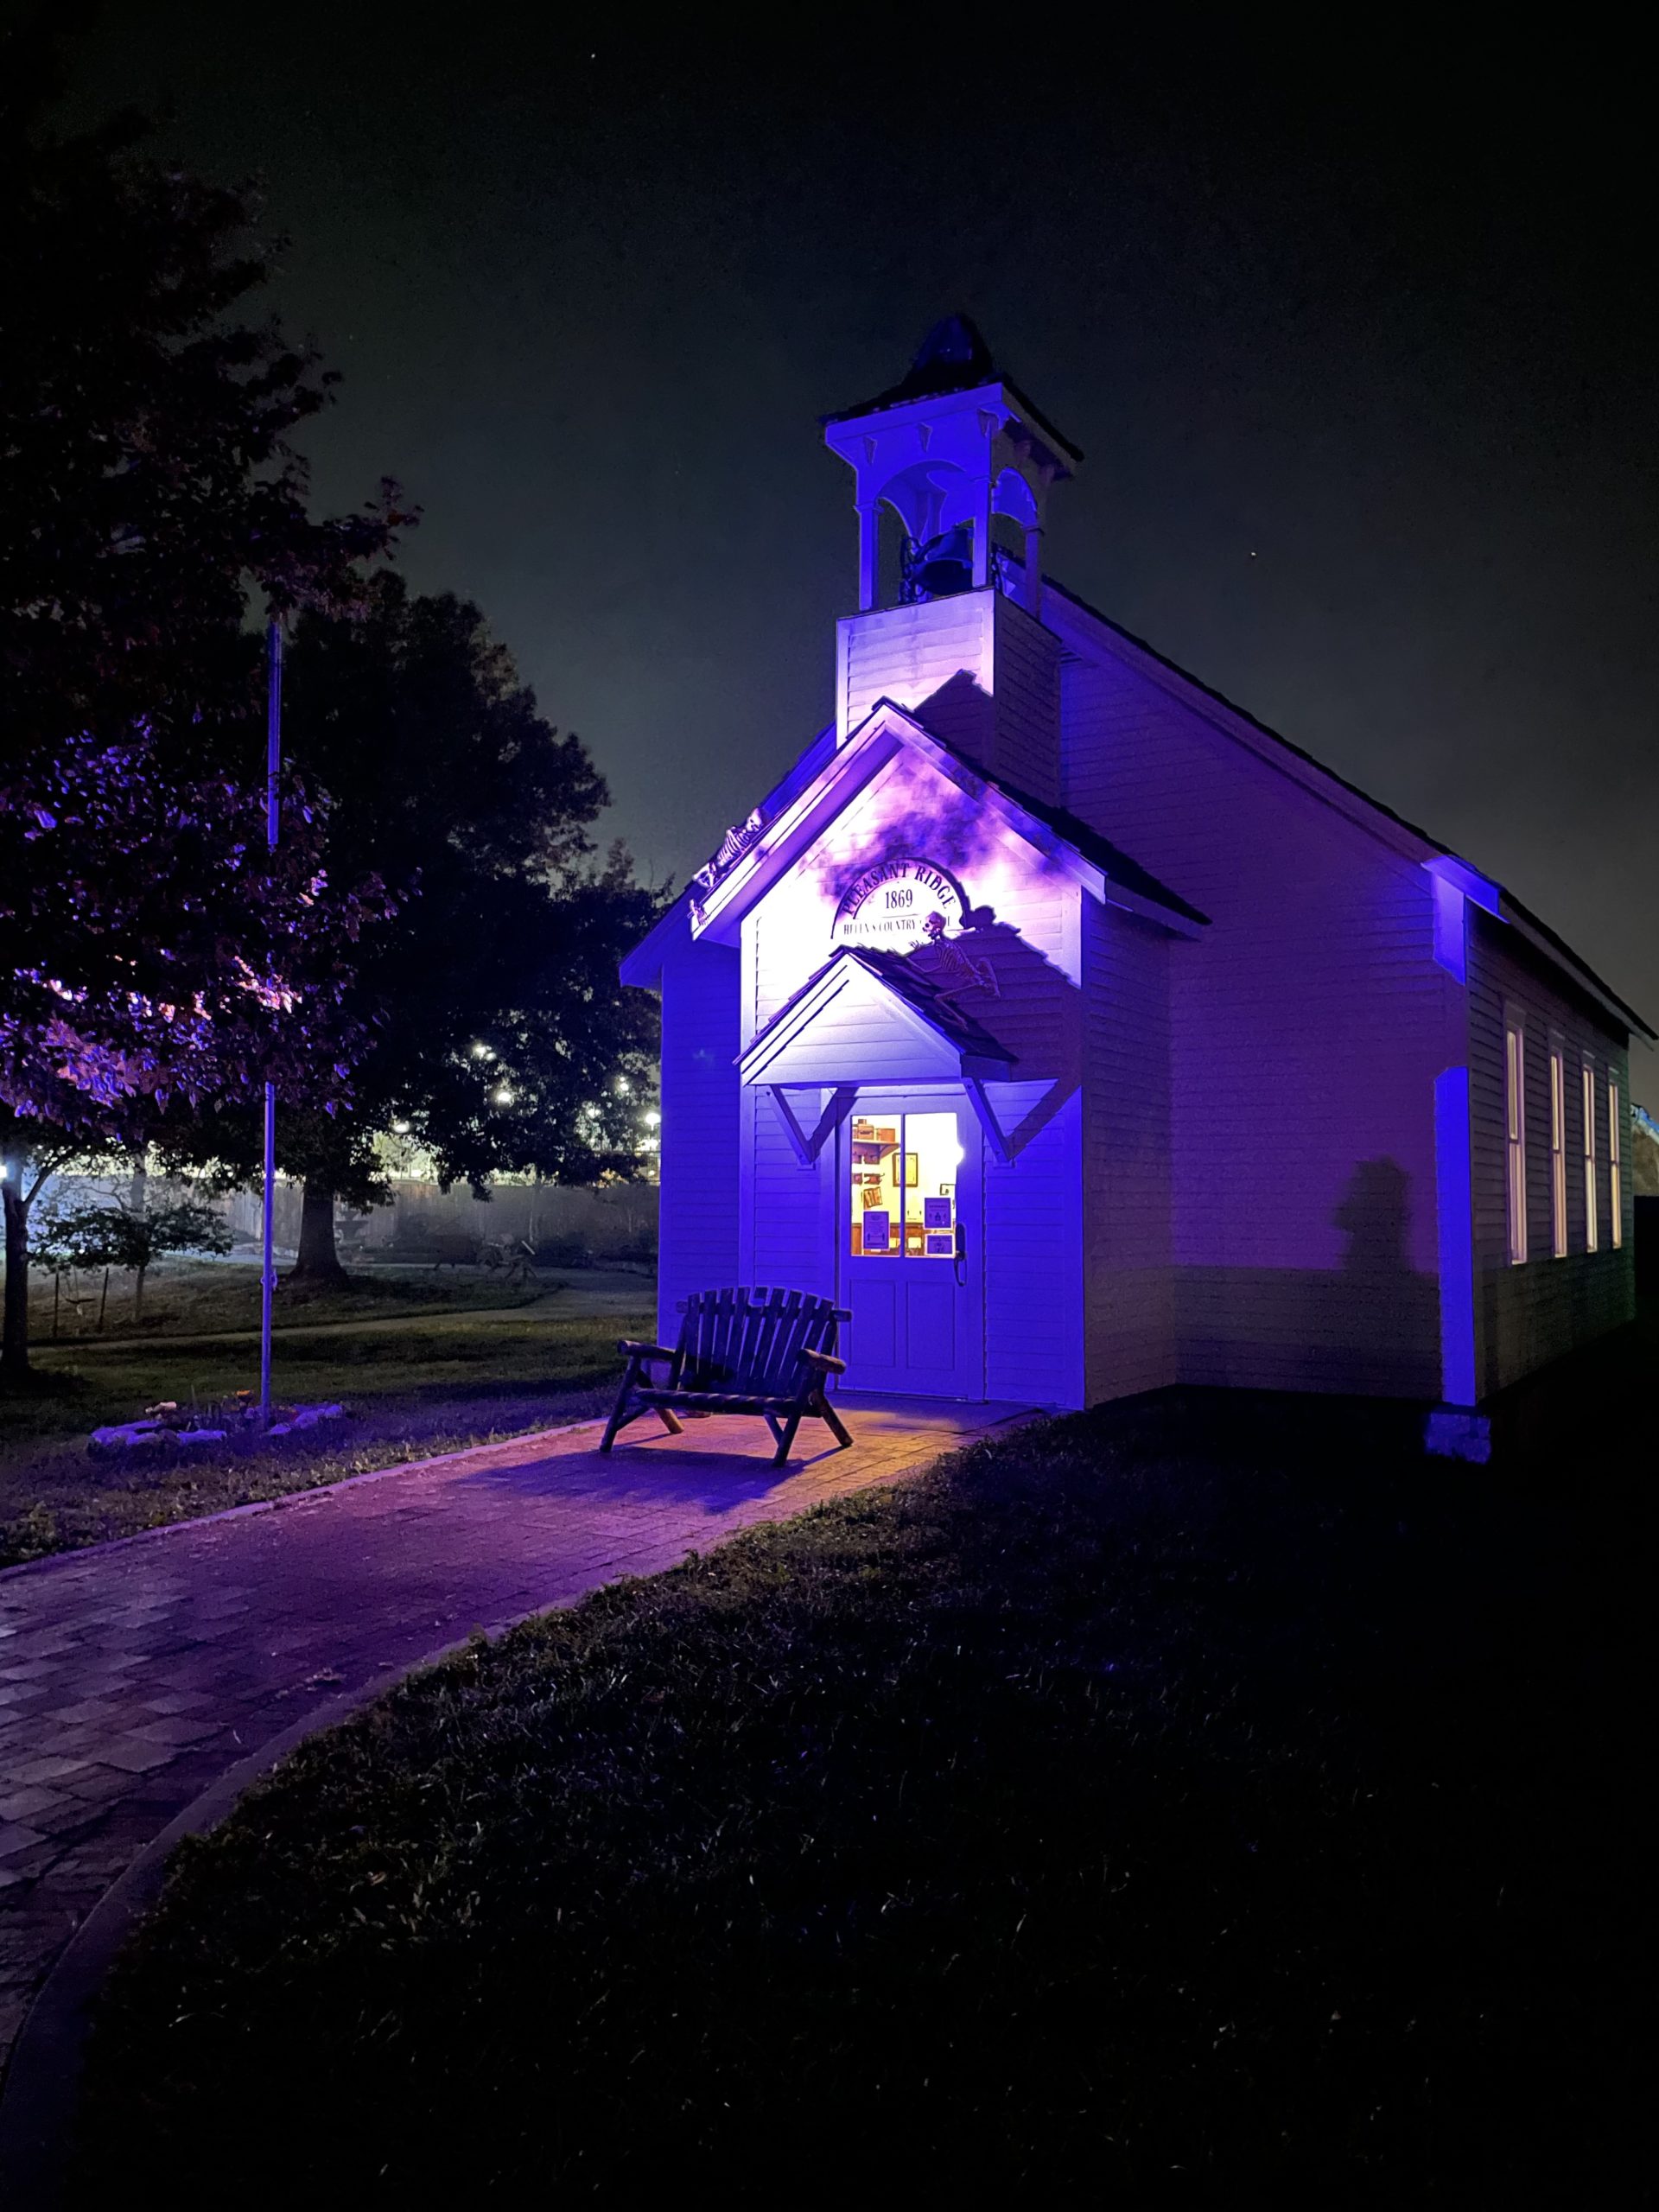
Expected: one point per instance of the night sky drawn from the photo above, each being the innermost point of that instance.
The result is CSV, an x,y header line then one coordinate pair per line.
x,y
1355,339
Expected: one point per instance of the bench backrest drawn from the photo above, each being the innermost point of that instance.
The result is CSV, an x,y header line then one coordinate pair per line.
x,y
751,1341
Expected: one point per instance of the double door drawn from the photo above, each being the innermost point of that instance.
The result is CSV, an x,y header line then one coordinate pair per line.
x,y
910,1262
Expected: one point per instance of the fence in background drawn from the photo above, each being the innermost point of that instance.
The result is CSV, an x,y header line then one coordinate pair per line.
x,y
565,1226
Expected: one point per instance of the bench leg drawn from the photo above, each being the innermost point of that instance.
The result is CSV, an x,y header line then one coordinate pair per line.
x,y
838,1428
619,1416
674,1428
780,1458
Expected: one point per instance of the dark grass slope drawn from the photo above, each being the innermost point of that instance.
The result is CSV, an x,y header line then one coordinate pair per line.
x,y
1197,1802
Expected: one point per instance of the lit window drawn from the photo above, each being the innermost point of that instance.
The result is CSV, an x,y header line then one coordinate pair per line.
x,y
1592,1228
1615,1180
903,1194
1515,1073
1558,1150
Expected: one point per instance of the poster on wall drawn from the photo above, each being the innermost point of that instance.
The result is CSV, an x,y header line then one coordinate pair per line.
x,y
936,1213
875,1228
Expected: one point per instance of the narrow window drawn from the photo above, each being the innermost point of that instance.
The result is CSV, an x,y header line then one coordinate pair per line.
x,y
1615,1181
1592,1228
1558,1150
1515,1070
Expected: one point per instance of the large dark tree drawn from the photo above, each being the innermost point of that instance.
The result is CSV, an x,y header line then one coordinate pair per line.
x,y
501,1038
151,955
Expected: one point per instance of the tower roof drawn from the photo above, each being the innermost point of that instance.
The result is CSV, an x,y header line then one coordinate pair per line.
x,y
953,357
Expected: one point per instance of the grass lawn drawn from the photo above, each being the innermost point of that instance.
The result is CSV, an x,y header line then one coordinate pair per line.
x,y
190,1297
1202,1802
423,1362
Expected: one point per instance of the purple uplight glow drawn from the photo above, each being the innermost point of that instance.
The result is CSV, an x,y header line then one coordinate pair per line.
x,y
1454,1202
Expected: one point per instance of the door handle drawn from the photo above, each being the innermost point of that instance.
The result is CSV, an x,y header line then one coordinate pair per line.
x,y
961,1256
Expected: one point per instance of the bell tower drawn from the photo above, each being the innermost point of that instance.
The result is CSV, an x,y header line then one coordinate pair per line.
x,y
965,463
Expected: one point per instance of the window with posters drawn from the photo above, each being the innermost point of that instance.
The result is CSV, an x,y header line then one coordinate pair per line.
x,y
903,1191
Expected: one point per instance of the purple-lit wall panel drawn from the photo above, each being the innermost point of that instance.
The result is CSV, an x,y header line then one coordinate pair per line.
x,y
1033,1288
701,1126
1307,1030
1128,1289
1459,1383
1450,949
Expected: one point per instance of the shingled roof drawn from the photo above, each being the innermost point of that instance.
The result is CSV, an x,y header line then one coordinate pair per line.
x,y
954,357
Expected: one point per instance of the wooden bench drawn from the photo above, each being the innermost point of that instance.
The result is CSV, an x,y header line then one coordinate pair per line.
x,y
741,1351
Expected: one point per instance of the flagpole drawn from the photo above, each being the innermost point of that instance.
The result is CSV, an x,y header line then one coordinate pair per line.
x,y
273,760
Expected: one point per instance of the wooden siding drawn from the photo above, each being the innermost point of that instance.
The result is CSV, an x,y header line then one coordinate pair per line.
x,y
1129,1317
976,670
1034,1267
702,1104
1027,684
788,1226
940,652
1528,1314
1307,1027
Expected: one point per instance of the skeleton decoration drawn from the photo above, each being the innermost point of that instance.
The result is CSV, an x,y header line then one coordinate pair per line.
x,y
737,841
949,966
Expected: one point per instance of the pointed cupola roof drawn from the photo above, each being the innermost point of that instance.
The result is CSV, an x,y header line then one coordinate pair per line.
x,y
953,357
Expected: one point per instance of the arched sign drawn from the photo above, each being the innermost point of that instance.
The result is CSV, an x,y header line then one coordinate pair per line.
x,y
888,906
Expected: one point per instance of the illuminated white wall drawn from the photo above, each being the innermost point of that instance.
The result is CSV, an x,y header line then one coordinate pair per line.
x,y
1033,1228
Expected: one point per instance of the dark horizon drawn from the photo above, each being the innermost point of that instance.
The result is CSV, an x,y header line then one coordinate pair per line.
x,y
1361,372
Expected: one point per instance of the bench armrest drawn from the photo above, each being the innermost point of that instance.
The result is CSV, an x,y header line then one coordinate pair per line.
x,y
825,1362
637,1349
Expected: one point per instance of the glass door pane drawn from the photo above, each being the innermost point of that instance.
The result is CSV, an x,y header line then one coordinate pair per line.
x,y
903,1191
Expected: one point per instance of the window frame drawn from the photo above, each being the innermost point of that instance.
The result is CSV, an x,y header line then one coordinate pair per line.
x,y
1615,1164
1558,1147
899,1165
1591,1195
1515,1133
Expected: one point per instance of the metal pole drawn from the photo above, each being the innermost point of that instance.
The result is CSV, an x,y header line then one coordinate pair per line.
x,y
273,759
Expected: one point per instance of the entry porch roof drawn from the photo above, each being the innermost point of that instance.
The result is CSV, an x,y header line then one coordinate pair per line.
x,y
871,1017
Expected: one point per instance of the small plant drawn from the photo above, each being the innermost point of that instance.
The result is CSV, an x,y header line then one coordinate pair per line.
x,y
33,1534
86,1238
238,1410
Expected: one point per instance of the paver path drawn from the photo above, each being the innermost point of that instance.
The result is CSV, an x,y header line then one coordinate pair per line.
x,y
131,1677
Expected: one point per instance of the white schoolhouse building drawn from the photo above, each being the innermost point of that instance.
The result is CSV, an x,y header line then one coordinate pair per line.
x,y
1082,1036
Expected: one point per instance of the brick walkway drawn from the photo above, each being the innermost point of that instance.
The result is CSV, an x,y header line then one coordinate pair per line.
x,y
133,1676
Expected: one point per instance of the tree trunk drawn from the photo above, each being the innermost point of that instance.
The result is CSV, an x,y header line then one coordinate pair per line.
x,y
14,1336
137,1297
318,1259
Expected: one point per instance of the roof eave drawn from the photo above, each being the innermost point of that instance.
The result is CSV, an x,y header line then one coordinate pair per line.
x,y
1390,828
642,968
1561,958
1024,410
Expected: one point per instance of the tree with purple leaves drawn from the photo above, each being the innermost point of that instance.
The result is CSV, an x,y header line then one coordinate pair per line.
x,y
153,957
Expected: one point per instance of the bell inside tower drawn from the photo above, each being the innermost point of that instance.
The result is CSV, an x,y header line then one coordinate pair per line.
x,y
952,466
937,566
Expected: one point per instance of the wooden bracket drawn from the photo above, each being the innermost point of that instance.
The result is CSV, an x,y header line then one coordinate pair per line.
x,y
988,1121
806,1149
